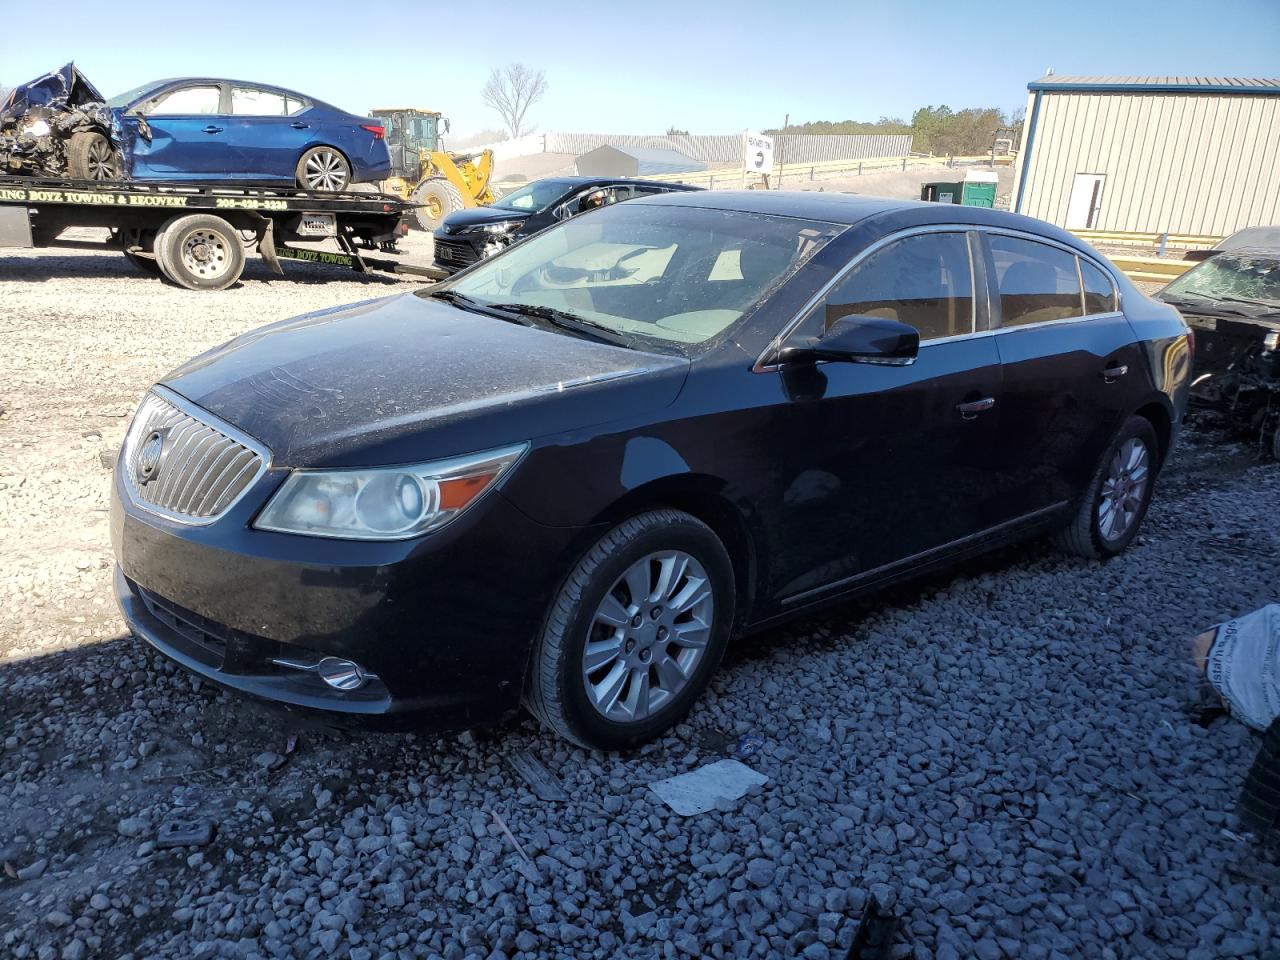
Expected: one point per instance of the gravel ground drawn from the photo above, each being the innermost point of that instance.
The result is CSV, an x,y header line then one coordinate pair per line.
x,y
1012,758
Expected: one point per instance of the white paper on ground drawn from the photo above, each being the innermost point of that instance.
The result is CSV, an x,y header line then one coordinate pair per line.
x,y
1244,666
698,790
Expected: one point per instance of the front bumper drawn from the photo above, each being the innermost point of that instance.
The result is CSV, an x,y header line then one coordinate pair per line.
x,y
444,623
456,252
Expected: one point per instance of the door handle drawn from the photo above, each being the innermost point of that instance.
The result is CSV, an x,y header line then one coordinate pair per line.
x,y
212,129
299,125
1114,372
970,409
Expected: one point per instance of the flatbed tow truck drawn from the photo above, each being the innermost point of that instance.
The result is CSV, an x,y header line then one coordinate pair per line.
x,y
196,235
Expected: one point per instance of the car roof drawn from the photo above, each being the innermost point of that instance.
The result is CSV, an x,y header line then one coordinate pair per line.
x,y
851,208
174,81
576,181
1253,240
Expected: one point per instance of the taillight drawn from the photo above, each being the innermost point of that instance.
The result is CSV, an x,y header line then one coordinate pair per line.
x,y
377,131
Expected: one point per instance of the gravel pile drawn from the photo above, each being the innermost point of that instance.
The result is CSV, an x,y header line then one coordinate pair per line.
x,y
1012,758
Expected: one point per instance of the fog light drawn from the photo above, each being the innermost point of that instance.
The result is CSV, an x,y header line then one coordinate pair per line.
x,y
341,674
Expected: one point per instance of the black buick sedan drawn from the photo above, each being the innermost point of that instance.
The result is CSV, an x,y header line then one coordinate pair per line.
x,y
568,477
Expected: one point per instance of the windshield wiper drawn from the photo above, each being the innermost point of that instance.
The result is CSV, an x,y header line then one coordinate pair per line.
x,y
565,321
463,302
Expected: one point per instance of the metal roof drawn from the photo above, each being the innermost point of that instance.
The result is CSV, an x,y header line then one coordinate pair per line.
x,y
1103,84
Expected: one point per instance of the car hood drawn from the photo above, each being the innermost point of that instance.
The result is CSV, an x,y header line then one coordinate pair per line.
x,y
459,219
58,90
408,379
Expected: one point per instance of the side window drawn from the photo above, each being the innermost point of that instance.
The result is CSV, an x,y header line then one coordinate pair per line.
x,y
185,102
925,281
294,105
251,102
1037,282
602,197
1099,294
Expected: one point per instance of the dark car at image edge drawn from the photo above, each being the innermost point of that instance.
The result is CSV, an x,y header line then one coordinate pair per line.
x,y
468,236
567,477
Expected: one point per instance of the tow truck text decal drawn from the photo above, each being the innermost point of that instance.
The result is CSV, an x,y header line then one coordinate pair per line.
x,y
134,199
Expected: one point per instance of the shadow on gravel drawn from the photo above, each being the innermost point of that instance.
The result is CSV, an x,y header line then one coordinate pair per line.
x,y
105,267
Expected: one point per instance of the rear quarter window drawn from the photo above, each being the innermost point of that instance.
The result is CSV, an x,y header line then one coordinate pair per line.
x,y
1099,292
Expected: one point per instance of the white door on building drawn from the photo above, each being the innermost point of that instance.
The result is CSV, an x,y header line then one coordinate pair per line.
x,y
1086,201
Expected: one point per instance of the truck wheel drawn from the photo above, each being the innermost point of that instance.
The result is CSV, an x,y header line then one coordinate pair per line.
x,y
635,632
90,156
200,252
1119,492
439,198
323,168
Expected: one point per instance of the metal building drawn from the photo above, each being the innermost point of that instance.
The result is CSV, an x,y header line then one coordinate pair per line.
x,y
609,161
1185,155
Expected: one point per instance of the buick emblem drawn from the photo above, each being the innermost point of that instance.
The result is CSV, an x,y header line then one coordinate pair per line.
x,y
148,464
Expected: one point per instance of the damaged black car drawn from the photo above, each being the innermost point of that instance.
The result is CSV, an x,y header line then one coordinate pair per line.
x,y
1232,302
58,125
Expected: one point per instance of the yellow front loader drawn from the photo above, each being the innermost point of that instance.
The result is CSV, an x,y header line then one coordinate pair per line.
x,y
441,182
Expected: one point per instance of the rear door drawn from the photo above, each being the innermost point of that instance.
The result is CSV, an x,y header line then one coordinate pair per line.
x,y
266,132
188,134
1072,368
886,464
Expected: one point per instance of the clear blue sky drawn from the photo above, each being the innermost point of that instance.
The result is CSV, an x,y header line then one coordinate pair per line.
x,y
641,67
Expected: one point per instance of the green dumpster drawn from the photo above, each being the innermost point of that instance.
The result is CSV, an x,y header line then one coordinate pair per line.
x,y
977,189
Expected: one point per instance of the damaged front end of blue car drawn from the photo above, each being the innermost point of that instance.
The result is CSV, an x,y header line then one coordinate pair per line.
x,y
39,121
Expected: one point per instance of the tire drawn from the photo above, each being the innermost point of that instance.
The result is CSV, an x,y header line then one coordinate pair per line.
x,y
324,169
91,156
200,252
145,264
1259,808
438,198
1115,479
556,690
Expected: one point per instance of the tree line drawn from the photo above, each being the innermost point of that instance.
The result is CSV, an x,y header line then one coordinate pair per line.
x,y
937,130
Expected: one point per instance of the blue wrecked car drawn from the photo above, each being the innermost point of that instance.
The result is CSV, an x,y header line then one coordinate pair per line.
x,y
189,128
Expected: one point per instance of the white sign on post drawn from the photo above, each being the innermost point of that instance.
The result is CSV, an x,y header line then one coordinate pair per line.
x,y
757,153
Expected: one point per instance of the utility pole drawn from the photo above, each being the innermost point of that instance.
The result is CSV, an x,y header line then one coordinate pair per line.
x,y
777,160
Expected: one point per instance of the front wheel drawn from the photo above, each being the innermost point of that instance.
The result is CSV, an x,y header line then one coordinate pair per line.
x,y
90,156
1118,494
635,632
437,198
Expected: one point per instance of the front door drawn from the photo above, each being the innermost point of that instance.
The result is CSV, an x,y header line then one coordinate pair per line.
x,y
187,135
1086,201
882,464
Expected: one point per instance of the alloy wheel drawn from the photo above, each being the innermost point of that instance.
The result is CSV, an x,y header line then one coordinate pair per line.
x,y
102,160
648,636
1124,489
325,170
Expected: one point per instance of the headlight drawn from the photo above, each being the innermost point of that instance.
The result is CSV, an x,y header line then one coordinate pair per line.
x,y
499,229
386,503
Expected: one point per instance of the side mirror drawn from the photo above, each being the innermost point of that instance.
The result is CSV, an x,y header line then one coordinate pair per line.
x,y
858,339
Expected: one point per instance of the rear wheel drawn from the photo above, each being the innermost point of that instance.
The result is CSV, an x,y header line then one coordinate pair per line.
x,y
323,168
438,198
1118,494
635,633
90,156
200,252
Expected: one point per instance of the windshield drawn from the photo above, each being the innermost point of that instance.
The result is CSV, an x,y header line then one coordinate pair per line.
x,y
534,196
1231,277
667,275
129,96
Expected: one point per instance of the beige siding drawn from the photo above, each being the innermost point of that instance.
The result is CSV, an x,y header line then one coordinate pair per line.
x,y
1176,162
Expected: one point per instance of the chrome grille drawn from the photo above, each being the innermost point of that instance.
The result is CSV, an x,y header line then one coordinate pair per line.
x,y
201,468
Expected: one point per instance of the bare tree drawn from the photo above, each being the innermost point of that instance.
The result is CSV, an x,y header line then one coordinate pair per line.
x,y
512,91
